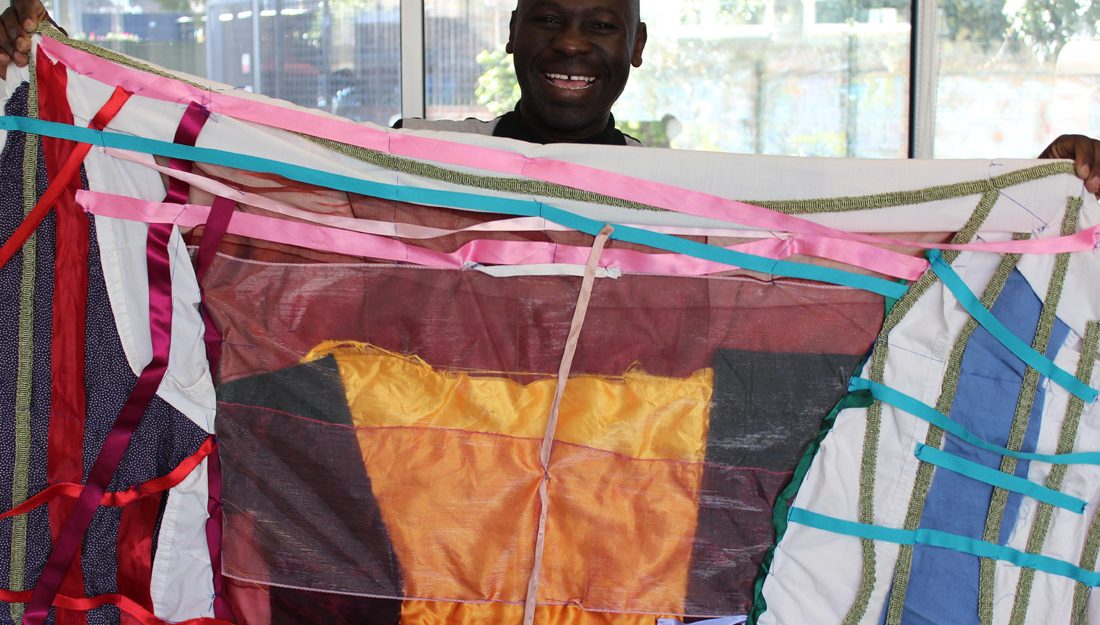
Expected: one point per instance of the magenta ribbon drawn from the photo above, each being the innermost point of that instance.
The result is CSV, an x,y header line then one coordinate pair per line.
x,y
118,438
187,133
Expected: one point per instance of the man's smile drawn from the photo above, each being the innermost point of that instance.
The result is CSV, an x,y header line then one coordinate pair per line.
x,y
574,82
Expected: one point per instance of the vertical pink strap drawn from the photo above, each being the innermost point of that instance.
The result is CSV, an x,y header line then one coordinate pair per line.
x,y
118,438
579,313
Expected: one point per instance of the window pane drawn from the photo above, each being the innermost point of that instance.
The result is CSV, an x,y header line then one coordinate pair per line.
x,y
467,73
1014,74
815,78
340,55
829,77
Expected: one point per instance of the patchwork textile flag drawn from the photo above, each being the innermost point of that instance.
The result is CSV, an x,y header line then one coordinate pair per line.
x,y
266,366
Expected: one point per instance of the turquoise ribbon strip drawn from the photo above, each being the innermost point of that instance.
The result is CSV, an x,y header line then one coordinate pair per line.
x,y
927,413
1022,350
458,200
935,538
993,477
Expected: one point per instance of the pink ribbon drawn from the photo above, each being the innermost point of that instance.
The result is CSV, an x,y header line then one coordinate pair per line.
x,y
351,243
591,179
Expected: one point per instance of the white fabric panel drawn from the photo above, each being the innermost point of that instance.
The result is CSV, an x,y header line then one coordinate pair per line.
x,y
8,84
182,586
187,385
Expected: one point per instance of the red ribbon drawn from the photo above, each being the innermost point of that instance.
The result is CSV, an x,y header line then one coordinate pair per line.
x,y
120,498
128,606
64,176
65,457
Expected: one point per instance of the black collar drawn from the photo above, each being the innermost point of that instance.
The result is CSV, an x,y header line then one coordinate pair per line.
x,y
512,126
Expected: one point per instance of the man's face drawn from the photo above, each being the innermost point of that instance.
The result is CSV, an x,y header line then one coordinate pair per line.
x,y
572,60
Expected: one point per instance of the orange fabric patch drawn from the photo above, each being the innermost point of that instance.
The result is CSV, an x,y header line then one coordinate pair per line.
x,y
453,461
443,613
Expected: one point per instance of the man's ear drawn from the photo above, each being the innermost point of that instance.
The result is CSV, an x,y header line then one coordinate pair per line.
x,y
640,37
511,34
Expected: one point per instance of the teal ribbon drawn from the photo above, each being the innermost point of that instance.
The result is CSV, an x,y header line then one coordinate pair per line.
x,y
923,411
944,540
1000,479
455,199
1022,350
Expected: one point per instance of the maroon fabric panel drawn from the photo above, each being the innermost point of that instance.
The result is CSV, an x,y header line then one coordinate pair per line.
x,y
272,314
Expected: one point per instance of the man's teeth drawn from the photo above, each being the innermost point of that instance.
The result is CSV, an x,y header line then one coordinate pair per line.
x,y
574,78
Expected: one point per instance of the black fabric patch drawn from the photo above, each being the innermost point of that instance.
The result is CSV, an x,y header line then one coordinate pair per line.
x,y
303,485
768,406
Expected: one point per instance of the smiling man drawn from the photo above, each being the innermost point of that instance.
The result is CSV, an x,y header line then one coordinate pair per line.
x,y
572,60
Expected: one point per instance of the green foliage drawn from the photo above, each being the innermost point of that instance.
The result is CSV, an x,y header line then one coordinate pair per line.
x,y
1044,26
980,21
497,87
1047,25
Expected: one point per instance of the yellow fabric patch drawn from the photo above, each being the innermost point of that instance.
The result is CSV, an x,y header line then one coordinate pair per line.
x,y
636,414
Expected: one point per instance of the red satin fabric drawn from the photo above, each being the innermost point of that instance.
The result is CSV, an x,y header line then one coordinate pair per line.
x,y
67,396
134,550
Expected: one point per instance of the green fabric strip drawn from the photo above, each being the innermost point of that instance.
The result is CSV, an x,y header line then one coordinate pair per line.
x,y
1066,438
934,438
24,370
1089,352
1025,403
869,458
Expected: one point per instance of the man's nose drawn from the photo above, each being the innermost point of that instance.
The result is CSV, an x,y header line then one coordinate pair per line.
x,y
572,41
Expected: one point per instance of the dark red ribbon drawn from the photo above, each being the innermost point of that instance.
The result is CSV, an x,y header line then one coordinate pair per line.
x,y
118,438
217,224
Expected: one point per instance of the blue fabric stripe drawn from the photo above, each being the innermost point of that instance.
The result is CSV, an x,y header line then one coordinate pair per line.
x,y
923,411
454,199
944,540
944,584
989,321
982,473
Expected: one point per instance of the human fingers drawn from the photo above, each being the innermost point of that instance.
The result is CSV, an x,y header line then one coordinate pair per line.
x,y
12,45
30,13
1085,154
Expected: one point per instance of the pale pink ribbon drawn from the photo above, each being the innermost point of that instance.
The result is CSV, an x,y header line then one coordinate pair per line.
x,y
482,251
566,366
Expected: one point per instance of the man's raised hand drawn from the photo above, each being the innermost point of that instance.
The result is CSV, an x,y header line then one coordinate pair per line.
x,y
17,22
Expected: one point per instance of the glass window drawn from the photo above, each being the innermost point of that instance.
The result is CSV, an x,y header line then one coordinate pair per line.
x,y
805,77
1013,74
825,78
339,55
467,73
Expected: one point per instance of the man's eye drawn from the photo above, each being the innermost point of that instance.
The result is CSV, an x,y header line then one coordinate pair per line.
x,y
603,26
545,19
